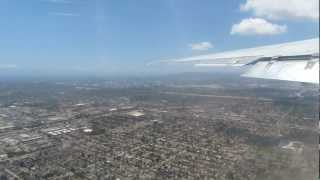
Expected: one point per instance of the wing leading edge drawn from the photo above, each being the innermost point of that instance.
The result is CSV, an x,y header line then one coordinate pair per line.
x,y
294,61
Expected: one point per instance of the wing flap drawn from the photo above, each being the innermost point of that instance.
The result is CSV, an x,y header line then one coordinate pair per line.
x,y
310,46
302,70
292,61
236,61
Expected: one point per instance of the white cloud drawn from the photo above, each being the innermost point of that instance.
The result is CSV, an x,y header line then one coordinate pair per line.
x,y
257,26
64,14
58,1
202,46
8,66
283,9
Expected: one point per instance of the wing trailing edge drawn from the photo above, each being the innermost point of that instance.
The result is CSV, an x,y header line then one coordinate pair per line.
x,y
293,61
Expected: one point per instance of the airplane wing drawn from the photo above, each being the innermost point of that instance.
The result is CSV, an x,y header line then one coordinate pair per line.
x,y
293,61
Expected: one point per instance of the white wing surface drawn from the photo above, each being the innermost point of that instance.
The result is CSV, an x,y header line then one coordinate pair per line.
x,y
293,61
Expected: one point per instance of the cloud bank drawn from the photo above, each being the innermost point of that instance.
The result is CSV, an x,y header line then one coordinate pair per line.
x,y
64,14
8,66
283,9
58,1
257,26
202,46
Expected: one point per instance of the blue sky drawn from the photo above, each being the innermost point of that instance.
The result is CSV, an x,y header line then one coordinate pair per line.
x,y
121,36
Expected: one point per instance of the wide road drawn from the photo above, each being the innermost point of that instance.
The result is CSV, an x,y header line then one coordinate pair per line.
x,y
215,96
